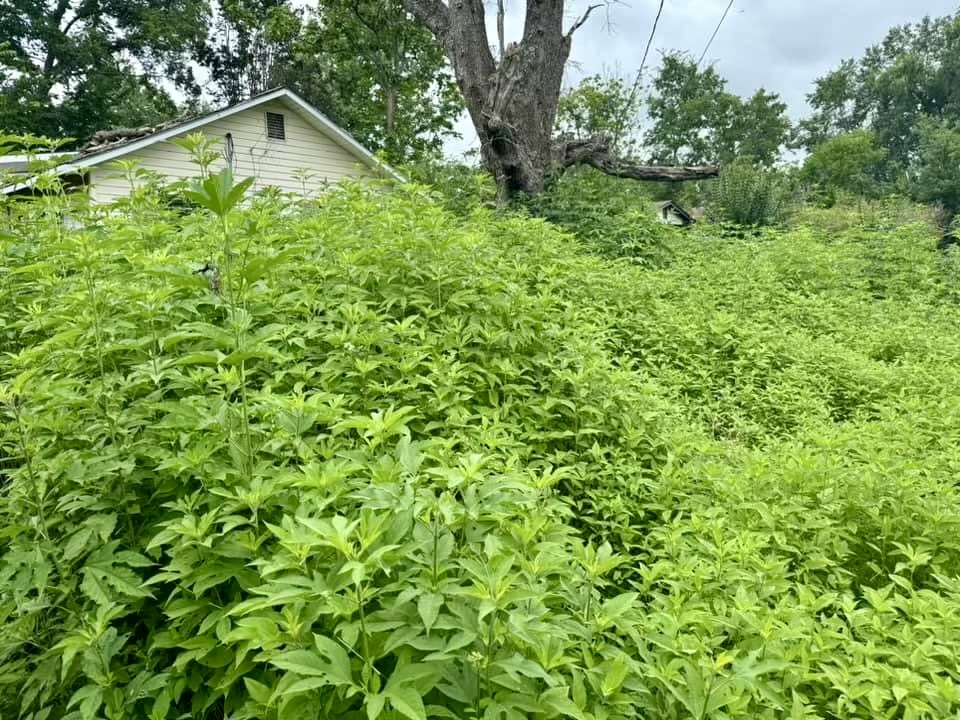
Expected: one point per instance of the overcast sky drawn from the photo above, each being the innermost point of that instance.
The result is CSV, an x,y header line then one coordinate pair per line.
x,y
779,45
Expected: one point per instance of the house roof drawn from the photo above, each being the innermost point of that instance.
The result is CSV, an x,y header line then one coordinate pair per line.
x,y
110,145
677,210
22,163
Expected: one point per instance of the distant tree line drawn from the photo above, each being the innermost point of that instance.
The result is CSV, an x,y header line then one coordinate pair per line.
x,y
890,120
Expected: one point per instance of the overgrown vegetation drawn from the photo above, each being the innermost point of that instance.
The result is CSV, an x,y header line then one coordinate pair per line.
x,y
610,217
392,461
751,196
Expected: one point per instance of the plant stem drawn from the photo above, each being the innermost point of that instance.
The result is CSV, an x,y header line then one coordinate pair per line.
x,y
247,469
364,639
436,550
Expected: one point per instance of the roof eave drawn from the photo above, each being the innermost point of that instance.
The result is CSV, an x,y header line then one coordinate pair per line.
x,y
321,123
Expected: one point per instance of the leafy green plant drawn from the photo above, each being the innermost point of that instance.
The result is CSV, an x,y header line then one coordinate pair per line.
x,y
848,163
612,217
748,196
405,463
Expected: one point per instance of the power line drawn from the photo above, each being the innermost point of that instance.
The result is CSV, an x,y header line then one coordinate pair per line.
x,y
715,31
646,50
643,61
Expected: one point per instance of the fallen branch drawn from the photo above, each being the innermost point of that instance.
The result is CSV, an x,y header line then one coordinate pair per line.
x,y
596,153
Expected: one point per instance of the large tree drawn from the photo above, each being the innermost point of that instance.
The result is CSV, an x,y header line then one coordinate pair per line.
x,y
365,63
912,74
249,48
381,74
695,119
512,100
70,67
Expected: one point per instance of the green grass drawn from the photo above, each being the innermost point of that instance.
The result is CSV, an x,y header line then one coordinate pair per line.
x,y
411,464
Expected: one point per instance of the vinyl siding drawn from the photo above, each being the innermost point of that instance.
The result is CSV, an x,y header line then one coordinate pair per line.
x,y
270,162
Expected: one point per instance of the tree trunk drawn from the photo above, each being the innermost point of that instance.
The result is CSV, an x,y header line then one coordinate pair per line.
x,y
513,103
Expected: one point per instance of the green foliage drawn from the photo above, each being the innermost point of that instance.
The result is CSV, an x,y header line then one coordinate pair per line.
x,y
848,163
910,75
380,74
400,463
65,68
460,188
937,179
316,487
249,48
603,107
696,121
68,69
609,216
748,196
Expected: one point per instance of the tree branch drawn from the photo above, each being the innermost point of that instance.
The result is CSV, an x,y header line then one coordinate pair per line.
x,y
432,13
501,13
595,152
579,23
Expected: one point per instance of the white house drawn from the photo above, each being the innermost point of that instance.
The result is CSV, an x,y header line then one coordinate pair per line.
x,y
277,138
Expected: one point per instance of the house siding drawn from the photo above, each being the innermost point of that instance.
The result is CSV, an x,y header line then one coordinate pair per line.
x,y
270,162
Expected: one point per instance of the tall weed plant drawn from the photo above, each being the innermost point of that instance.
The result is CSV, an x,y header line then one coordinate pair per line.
x,y
751,196
612,217
390,462
316,487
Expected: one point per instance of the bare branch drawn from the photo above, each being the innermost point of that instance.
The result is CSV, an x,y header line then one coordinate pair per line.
x,y
501,13
595,152
579,23
432,13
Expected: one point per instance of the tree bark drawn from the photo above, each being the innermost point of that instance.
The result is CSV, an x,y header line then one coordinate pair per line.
x,y
513,103
596,153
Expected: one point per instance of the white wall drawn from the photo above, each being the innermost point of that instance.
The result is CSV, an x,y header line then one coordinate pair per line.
x,y
270,162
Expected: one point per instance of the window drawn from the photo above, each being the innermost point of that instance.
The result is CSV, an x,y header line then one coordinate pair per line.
x,y
275,126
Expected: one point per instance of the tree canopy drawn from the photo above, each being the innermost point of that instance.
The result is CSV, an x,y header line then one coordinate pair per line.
x,y
70,67
695,120
906,92
913,73
601,106
380,74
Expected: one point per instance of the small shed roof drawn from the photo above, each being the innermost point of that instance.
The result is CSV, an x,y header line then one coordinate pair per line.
x,y
670,206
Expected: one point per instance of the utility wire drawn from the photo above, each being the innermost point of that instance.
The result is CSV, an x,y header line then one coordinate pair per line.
x,y
715,31
646,50
643,61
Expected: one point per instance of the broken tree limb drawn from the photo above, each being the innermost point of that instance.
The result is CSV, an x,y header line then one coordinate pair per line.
x,y
595,152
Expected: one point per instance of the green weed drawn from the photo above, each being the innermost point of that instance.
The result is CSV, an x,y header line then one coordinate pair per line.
x,y
401,463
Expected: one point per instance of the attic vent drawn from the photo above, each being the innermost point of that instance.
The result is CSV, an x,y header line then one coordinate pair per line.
x,y
275,126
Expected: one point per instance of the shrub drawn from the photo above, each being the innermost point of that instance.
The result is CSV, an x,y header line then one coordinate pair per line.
x,y
610,216
748,196
399,463
319,486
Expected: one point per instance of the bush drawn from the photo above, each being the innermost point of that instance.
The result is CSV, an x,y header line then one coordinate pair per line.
x,y
611,217
326,484
391,462
750,196
461,189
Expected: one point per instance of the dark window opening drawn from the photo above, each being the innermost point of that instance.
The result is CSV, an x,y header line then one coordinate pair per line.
x,y
275,127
